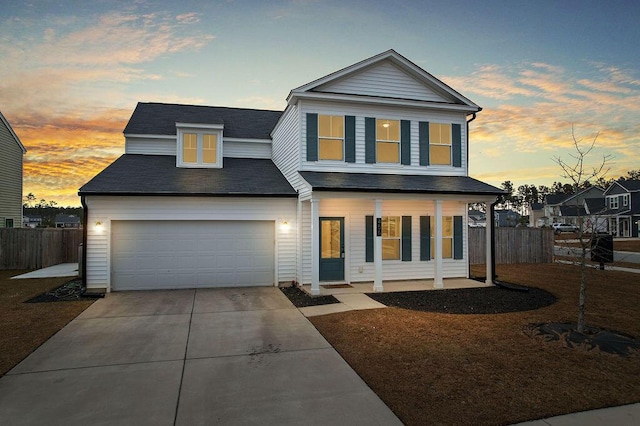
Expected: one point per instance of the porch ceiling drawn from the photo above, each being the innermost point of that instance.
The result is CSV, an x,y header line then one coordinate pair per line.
x,y
393,183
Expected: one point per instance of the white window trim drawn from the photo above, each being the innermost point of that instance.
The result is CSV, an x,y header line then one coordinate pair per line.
x,y
333,138
433,237
612,204
398,238
199,130
398,142
625,200
450,144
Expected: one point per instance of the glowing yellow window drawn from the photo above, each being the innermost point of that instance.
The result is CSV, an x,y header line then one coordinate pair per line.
x,y
440,143
209,145
190,147
391,229
330,137
387,141
447,237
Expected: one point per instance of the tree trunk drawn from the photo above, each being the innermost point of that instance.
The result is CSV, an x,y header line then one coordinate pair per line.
x,y
583,289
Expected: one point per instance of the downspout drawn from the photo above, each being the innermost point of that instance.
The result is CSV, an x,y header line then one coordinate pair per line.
x,y
473,117
84,243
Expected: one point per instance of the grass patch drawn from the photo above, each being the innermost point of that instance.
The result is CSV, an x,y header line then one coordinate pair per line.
x,y
25,326
485,369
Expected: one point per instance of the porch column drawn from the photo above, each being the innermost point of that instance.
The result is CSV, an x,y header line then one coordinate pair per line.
x,y
489,237
437,265
377,248
315,247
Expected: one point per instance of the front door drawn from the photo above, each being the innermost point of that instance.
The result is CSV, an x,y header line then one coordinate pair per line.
x,y
331,249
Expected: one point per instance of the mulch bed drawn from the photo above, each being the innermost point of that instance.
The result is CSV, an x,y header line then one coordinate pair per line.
x,y
485,300
302,299
69,291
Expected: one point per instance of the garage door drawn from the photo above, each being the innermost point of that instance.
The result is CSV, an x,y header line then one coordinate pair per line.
x,y
186,254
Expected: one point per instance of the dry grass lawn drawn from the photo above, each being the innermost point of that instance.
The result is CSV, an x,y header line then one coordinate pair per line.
x,y
25,326
482,369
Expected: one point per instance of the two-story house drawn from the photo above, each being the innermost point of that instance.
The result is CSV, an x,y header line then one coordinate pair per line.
x,y
362,178
570,208
623,203
12,152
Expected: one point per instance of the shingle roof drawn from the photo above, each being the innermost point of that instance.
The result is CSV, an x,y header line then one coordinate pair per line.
x,y
630,185
419,184
556,198
160,119
572,211
135,174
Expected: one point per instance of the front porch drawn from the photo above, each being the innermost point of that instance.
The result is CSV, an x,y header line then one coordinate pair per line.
x,y
395,286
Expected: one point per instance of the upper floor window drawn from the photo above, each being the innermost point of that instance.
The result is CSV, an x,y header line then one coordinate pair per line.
x,y
199,146
625,200
387,141
331,137
613,202
440,143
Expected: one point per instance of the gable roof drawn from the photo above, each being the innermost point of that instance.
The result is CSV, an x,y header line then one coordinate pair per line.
x,y
554,199
427,89
137,174
630,185
151,118
411,184
13,134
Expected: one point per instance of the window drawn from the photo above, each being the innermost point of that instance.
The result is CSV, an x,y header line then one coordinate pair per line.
x,y
440,144
613,202
391,234
9,223
625,200
330,137
199,145
447,237
387,141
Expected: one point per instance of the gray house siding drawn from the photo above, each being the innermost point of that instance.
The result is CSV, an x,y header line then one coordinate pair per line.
x,y
10,177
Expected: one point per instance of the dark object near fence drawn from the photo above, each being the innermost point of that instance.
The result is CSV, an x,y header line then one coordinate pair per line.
x,y
602,249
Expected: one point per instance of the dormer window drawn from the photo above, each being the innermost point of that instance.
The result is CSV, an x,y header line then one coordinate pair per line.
x,y
199,145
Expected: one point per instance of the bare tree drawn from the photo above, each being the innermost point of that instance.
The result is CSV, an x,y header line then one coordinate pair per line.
x,y
578,172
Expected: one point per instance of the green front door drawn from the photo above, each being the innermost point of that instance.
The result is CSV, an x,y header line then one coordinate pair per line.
x,y
331,249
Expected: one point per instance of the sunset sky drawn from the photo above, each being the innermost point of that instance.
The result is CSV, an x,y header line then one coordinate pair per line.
x,y
71,72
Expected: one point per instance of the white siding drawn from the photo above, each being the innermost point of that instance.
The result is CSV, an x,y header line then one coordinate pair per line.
x,y
354,212
150,145
286,146
246,149
10,178
360,112
105,209
384,80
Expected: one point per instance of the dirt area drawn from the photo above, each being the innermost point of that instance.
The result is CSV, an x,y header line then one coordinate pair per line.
x,y
25,326
301,299
487,368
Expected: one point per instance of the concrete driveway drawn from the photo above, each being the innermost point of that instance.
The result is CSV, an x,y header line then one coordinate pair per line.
x,y
189,357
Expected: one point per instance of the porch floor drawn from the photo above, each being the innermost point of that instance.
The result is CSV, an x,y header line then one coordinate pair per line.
x,y
392,286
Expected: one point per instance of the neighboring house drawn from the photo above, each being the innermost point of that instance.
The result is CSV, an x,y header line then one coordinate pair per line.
x,y
622,199
506,218
597,215
477,219
31,221
537,216
362,178
568,208
11,154
67,221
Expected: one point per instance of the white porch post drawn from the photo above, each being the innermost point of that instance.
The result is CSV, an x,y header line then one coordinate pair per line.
x,y
377,248
489,237
315,247
437,266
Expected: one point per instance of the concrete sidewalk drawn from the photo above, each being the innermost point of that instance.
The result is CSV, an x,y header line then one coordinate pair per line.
x,y
60,270
189,357
624,415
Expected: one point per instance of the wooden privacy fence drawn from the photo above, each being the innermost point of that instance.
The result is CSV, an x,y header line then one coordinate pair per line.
x,y
25,248
513,245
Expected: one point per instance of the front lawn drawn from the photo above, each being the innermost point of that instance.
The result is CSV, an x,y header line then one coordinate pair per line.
x,y
440,368
25,326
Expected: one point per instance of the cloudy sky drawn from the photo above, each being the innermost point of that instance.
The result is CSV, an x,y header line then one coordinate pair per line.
x,y
72,71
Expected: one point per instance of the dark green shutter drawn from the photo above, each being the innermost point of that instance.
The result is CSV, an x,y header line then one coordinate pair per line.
x,y
369,140
368,225
406,238
457,237
425,238
312,137
423,138
350,139
405,142
456,145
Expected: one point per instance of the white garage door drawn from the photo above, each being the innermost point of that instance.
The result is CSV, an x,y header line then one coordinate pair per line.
x,y
186,254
